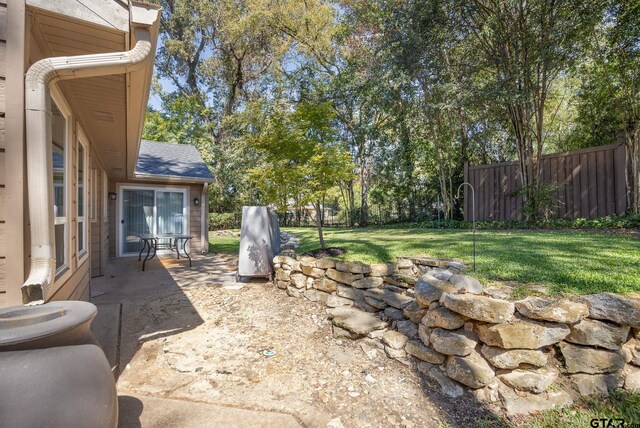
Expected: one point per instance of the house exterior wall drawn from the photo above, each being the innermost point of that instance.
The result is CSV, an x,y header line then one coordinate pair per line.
x,y
98,221
21,30
3,52
14,30
14,230
194,226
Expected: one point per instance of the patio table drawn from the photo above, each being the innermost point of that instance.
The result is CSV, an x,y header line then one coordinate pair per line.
x,y
164,241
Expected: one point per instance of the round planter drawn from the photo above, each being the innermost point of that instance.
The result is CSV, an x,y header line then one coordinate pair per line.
x,y
44,326
52,371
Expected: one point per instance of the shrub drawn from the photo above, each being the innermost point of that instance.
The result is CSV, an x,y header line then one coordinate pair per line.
x,y
221,221
629,221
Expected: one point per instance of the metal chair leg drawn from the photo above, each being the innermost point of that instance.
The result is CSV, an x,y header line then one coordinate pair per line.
x,y
175,244
144,245
184,249
147,256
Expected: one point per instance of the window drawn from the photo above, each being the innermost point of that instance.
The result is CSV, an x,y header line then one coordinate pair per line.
x,y
82,199
59,179
94,195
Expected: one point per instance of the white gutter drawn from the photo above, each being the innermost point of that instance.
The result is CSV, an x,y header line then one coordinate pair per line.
x,y
39,78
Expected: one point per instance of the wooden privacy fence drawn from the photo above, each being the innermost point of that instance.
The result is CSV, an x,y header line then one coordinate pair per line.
x,y
590,183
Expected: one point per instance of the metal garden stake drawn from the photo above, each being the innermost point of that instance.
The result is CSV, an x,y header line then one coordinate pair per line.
x,y
473,217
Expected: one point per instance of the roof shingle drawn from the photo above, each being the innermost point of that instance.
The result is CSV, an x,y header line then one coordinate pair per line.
x,y
169,159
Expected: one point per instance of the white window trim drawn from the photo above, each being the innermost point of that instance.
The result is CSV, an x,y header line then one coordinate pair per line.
x,y
119,211
64,272
84,142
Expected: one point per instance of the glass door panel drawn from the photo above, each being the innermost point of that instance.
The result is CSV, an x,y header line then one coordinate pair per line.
x,y
137,218
170,212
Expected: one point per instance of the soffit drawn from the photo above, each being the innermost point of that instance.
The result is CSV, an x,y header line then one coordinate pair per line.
x,y
99,103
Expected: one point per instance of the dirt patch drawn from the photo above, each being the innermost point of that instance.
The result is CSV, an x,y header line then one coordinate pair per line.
x,y
211,343
326,252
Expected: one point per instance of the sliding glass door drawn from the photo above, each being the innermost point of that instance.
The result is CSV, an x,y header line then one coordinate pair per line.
x,y
150,211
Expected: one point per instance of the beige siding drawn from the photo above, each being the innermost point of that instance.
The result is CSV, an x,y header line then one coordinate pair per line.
x,y
96,225
99,235
3,62
76,287
195,219
3,22
112,219
2,133
3,59
105,228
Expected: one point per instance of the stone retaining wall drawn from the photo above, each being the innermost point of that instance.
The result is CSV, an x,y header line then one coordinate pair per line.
x,y
517,356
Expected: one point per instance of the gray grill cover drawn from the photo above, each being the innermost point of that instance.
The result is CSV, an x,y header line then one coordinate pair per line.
x,y
259,241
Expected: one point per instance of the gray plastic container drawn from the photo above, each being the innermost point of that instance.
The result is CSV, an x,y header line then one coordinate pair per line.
x,y
259,242
52,373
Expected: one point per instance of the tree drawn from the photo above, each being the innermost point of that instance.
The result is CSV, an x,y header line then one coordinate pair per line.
x,y
226,55
609,100
527,46
301,158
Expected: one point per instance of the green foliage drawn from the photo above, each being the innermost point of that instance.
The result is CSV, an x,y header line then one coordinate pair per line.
x,y
179,122
414,89
625,222
301,157
224,221
542,205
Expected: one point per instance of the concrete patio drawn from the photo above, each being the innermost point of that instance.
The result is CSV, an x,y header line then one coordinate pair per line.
x,y
188,348
119,295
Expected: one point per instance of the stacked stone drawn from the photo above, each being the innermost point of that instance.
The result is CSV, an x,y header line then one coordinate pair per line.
x,y
599,347
505,352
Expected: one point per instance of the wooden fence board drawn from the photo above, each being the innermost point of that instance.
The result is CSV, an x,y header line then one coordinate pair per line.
x,y
609,177
591,192
620,170
601,184
590,183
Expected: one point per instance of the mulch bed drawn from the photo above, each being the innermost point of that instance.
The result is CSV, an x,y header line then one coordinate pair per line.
x,y
326,252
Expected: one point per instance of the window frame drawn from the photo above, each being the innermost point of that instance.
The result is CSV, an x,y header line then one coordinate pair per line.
x,y
63,273
83,142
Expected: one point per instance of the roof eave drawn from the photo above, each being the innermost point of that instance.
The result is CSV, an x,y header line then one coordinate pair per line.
x,y
171,178
139,84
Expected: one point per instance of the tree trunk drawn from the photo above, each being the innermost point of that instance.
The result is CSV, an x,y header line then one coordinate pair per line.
x,y
352,204
319,223
364,191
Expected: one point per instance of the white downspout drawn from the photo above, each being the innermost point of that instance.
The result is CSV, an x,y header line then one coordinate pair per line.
x,y
38,115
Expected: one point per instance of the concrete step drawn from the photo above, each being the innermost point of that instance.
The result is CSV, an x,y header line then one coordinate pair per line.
x,y
151,412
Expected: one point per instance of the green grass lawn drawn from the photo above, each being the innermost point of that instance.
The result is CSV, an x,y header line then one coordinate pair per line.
x,y
619,405
567,262
224,244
